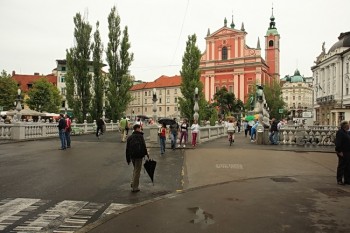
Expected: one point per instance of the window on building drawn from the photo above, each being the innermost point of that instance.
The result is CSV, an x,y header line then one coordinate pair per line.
x,y
347,67
271,43
145,93
63,68
149,93
230,89
63,79
175,100
160,100
299,97
347,89
175,91
145,101
160,109
160,92
293,97
145,109
168,92
63,104
224,53
217,88
138,101
167,109
286,98
168,100
63,91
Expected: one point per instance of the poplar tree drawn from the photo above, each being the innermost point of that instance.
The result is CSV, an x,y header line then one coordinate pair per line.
x,y
78,79
99,84
190,75
119,60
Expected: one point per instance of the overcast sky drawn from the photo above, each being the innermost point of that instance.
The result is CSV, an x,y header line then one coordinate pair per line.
x,y
34,33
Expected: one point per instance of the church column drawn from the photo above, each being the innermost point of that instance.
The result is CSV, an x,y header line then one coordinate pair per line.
x,y
207,87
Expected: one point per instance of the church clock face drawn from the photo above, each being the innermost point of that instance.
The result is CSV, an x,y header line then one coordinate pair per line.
x,y
251,52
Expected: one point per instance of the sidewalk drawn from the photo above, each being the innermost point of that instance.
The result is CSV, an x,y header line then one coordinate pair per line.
x,y
244,188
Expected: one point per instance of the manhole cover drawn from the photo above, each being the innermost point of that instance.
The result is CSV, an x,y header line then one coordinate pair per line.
x,y
334,192
283,179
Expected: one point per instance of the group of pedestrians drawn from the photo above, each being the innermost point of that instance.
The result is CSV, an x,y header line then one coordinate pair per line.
x,y
176,129
64,130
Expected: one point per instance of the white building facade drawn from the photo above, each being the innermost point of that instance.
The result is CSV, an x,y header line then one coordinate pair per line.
x,y
331,83
297,93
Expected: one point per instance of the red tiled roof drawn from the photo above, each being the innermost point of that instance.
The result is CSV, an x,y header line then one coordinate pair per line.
x,y
161,82
23,80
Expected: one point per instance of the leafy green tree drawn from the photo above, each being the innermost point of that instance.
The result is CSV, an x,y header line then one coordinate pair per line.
x,y
274,100
190,75
78,78
44,96
119,60
227,102
8,91
99,82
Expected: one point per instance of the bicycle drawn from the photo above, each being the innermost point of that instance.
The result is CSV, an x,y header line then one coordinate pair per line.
x,y
230,138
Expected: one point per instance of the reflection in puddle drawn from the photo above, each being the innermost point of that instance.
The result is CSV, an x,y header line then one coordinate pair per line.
x,y
202,217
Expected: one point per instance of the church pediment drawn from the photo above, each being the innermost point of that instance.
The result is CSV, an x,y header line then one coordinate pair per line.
x,y
225,31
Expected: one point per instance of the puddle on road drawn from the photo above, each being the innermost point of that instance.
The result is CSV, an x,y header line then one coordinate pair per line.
x,y
203,218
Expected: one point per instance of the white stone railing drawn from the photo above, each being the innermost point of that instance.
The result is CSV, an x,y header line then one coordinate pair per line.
x,y
5,131
312,135
32,130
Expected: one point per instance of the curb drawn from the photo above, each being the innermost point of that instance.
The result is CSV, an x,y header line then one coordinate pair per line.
x,y
102,221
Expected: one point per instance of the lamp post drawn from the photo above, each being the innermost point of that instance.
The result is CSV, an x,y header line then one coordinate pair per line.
x,y
196,107
154,99
18,105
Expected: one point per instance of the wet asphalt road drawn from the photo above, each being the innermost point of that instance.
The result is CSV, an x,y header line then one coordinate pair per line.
x,y
92,170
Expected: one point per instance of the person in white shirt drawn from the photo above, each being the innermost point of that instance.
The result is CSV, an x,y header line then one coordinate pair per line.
x,y
231,128
195,131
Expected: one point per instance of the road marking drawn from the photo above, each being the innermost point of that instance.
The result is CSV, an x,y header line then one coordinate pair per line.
x,y
12,210
63,217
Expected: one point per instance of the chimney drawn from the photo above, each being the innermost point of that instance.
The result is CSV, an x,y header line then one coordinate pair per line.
x,y
13,73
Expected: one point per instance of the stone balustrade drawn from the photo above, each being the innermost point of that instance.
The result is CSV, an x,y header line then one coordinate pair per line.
x,y
321,135
33,130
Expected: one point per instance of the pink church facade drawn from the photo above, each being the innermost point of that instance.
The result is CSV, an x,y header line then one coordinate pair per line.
x,y
228,62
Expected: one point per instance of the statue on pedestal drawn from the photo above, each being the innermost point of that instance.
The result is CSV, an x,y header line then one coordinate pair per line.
x,y
261,107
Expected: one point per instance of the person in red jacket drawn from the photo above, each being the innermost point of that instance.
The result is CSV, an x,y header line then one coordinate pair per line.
x,y
68,130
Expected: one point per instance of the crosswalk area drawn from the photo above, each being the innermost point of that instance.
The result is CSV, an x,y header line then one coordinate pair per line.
x,y
19,215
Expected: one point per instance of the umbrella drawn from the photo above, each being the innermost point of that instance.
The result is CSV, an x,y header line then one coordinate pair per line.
x,y
150,166
142,117
250,118
167,121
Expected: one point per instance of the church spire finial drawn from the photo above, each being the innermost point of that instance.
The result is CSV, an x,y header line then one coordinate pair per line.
x,y
242,27
258,44
208,33
232,23
272,20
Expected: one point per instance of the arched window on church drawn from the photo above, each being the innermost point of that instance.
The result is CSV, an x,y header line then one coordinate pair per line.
x,y
224,53
271,43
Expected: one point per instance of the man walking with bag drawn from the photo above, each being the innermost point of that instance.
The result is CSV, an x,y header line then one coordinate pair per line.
x,y
135,152
124,128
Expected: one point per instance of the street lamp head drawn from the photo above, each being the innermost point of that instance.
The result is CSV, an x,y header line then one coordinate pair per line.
x,y
154,91
196,90
19,91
